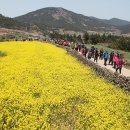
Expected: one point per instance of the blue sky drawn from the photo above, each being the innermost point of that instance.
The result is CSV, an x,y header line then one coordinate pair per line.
x,y
105,9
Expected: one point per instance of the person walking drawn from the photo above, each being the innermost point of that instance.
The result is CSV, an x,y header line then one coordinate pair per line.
x,y
76,46
82,51
79,47
106,57
85,52
101,54
92,51
115,60
96,55
111,58
120,63
89,54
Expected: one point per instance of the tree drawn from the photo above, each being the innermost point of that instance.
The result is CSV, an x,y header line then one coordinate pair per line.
x,y
103,37
75,37
79,38
94,39
85,37
123,44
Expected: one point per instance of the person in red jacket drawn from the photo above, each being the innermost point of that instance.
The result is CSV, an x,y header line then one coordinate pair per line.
x,y
115,60
120,63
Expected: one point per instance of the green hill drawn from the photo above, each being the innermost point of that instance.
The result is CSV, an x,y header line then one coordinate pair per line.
x,y
53,18
10,23
59,18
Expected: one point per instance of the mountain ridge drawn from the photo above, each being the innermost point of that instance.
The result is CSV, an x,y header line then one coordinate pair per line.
x,y
117,22
56,18
60,18
10,23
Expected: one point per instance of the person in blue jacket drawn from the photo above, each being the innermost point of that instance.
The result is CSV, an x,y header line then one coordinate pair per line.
x,y
106,57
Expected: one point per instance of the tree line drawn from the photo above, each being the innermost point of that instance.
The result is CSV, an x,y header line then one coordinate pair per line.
x,y
112,41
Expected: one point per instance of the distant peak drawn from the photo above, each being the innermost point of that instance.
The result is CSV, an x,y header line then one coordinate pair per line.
x,y
115,19
60,8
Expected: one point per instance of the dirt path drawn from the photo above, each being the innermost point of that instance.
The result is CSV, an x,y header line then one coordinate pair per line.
x,y
125,72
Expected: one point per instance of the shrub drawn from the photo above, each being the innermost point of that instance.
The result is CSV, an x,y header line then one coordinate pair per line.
x,y
2,54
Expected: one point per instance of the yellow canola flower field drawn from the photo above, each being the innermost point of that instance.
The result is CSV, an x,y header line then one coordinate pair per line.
x,y
44,88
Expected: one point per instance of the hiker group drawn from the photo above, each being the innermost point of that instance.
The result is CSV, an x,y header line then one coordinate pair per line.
x,y
114,59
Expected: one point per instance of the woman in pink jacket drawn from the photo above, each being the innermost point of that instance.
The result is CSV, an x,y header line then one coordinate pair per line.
x,y
120,63
115,60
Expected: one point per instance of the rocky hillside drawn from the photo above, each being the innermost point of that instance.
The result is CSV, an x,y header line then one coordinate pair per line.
x,y
116,22
59,18
52,18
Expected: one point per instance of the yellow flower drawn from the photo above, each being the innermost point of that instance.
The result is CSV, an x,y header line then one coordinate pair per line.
x,y
42,87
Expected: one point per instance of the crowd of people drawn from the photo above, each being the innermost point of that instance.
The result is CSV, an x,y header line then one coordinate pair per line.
x,y
114,59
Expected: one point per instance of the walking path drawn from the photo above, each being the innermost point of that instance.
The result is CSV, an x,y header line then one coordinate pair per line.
x,y
125,72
